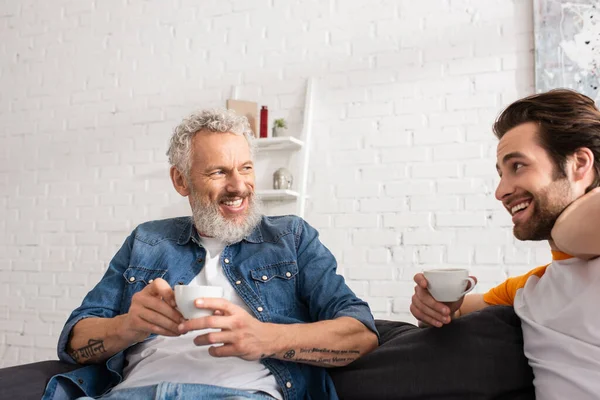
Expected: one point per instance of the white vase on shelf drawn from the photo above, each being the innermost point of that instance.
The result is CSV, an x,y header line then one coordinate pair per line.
x,y
279,131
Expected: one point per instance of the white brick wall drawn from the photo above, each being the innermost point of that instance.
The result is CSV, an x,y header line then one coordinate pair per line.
x,y
401,168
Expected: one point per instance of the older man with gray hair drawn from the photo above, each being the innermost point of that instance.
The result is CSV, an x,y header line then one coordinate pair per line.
x,y
285,313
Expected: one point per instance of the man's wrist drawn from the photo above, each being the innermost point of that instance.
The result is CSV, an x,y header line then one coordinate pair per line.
x,y
276,338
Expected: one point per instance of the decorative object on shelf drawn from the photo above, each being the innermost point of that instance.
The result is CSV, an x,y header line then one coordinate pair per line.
x,y
264,121
279,128
282,179
248,109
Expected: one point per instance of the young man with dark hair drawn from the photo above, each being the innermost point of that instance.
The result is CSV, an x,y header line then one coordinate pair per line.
x,y
548,160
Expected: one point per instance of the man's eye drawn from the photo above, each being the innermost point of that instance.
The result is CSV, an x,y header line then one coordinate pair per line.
x,y
247,168
216,173
517,166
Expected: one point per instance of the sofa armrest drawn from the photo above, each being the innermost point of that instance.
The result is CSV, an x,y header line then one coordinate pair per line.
x,y
28,381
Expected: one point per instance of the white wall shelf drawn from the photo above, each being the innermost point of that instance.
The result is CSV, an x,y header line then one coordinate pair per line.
x,y
275,195
279,143
297,162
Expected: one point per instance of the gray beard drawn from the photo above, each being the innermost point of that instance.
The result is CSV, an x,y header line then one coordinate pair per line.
x,y
209,221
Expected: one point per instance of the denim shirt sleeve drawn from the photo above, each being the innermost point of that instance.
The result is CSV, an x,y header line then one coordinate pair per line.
x,y
325,292
103,301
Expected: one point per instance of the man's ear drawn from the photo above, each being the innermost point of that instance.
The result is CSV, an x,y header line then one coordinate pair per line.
x,y
583,165
179,182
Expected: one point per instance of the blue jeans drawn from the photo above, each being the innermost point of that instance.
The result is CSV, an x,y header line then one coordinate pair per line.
x,y
181,391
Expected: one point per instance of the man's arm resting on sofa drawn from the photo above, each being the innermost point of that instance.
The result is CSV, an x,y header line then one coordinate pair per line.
x,y
332,343
93,340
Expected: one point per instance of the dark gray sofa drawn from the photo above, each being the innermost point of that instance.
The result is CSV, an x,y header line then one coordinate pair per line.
x,y
477,357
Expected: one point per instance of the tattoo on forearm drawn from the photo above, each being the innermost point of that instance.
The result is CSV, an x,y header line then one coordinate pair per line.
x,y
267,356
94,347
323,356
289,355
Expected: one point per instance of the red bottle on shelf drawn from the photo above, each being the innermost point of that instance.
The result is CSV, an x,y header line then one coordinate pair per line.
x,y
264,121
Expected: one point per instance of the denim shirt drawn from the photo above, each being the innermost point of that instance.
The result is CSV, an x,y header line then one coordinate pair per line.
x,y
301,286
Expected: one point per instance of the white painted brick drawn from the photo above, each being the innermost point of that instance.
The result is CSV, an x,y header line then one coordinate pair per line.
x,y
482,202
461,186
379,173
487,255
380,289
336,206
430,255
460,255
370,273
356,221
449,85
405,154
402,122
354,157
399,57
478,236
460,219
389,139
450,118
434,203
375,237
355,255
515,256
435,170
457,151
427,237
435,136
413,187
402,305
357,190
370,110
394,91
500,218
412,219
379,256
381,205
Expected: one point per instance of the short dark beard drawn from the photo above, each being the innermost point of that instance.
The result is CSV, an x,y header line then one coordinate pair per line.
x,y
548,205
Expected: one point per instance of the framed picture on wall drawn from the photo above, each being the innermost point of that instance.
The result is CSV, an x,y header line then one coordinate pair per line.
x,y
567,46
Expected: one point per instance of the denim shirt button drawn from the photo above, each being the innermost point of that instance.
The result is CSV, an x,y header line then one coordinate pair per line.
x,y
238,282
132,279
260,309
226,260
80,381
288,274
264,277
288,385
151,280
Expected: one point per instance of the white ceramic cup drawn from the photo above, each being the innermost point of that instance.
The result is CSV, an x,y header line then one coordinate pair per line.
x,y
185,296
450,284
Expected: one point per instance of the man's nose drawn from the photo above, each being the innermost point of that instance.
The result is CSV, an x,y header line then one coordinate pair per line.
x,y
236,182
505,188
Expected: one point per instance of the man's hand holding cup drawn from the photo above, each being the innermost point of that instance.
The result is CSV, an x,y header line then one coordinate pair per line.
x,y
439,293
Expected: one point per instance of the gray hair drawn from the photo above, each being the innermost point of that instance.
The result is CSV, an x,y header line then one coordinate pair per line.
x,y
212,120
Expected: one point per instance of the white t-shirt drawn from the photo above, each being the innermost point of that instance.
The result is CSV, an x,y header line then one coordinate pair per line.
x,y
179,360
558,307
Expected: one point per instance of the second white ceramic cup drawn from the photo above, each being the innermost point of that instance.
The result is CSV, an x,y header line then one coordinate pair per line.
x,y
450,284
